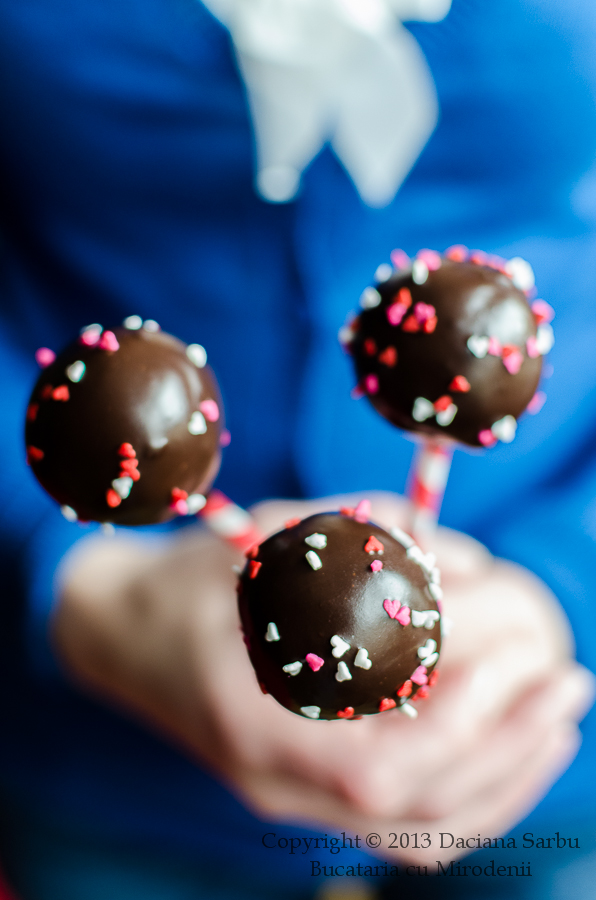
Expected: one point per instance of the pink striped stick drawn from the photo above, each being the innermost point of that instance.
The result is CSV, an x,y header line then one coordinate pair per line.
x,y
230,522
427,482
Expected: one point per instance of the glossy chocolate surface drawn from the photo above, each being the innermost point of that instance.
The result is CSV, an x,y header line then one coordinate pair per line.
x,y
143,394
469,300
344,598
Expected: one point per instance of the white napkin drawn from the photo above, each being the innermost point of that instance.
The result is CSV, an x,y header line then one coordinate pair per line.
x,y
343,71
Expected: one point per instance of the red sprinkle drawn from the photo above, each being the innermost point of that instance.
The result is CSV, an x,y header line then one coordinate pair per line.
x,y
252,552
61,393
263,688
430,325
411,325
460,383
357,393
457,253
112,498
130,467
108,341
373,545
126,450
346,713
32,411
543,312
406,689
253,568
46,392
34,454
443,403
347,511
291,522
433,678
386,703
44,357
422,693
388,357
179,494
370,347
479,258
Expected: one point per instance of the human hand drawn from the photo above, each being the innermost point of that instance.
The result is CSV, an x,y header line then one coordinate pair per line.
x,y
159,634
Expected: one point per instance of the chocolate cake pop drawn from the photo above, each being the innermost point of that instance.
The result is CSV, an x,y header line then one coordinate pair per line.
x,y
124,426
341,618
450,345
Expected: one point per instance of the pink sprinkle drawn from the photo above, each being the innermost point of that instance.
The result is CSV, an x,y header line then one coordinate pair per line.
x,y
44,357
399,259
362,511
494,346
396,312
371,384
210,410
424,312
543,311
487,438
90,337
181,507
376,565
536,403
108,341
431,258
496,262
512,360
457,253
419,675
314,661
391,607
479,257
225,438
532,347
403,616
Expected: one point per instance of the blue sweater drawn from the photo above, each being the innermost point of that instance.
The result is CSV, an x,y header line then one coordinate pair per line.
x,y
126,166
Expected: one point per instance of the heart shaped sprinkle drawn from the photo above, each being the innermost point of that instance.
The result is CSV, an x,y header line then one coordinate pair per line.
x,y
362,511
487,438
431,258
387,703
272,634
180,507
362,660
343,673
346,713
411,325
210,410
545,338
424,618
406,689
195,503
403,616
76,370
133,323
44,357
543,312
460,384
370,347
61,393
512,359
371,384
197,423
127,450
433,678
369,298
419,271
427,649
388,357
431,660
123,486
376,565
391,607
396,312
494,346
253,568
311,712
373,545
532,347
422,410
108,341
315,662
339,646
34,454
69,513
318,541
419,676
112,498
400,260
442,403
504,429
446,416
197,355
478,345
90,335
293,668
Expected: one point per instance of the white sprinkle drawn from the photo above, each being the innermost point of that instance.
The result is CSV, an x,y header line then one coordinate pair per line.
x,y
133,323
69,513
422,410
272,632
446,416
435,591
197,423
76,370
156,443
293,669
427,649
197,355
521,273
236,569
123,486
195,502
504,430
384,271
428,561
339,646
318,541
343,673
95,328
345,335
314,560
415,554
424,618
311,712
478,345
545,338
108,529
419,271
446,626
404,539
410,711
362,660
431,660
151,325
435,575
369,298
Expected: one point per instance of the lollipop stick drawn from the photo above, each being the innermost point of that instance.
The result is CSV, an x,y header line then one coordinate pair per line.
x,y
428,478
230,522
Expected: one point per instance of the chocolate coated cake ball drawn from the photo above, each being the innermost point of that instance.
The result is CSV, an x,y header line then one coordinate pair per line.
x,y
124,425
450,345
340,618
